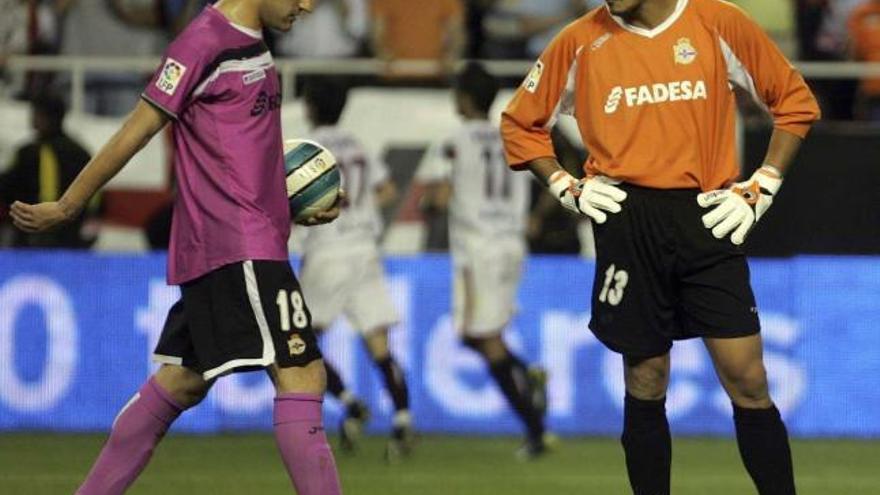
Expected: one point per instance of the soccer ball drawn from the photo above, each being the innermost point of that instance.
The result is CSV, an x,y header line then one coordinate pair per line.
x,y
312,177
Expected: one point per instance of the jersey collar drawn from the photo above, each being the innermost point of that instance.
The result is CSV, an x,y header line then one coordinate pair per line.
x,y
651,33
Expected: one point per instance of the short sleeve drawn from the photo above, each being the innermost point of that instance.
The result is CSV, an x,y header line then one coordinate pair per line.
x,y
436,166
171,87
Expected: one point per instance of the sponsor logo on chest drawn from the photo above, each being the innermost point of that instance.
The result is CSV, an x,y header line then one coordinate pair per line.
x,y
655,94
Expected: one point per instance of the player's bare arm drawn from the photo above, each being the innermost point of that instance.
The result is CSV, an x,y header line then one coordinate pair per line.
x,y
140,126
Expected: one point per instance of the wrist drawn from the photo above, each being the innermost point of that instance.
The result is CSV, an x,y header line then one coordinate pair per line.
x,y
768,178
770,171
68,208
558,182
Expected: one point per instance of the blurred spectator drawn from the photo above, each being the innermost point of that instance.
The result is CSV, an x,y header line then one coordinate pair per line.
x,y
411,30
821,30
335,29
13,33
41,170
864,31
110,28
522,28
777,18
27,27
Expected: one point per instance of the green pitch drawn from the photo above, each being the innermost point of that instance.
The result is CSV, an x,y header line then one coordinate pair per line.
x,y
37,464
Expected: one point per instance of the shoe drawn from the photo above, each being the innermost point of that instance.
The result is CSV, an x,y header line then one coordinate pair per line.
x,y
538,387
352,425
533,449
400,445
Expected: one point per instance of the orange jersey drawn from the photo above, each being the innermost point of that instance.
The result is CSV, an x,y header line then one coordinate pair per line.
x,y
655,107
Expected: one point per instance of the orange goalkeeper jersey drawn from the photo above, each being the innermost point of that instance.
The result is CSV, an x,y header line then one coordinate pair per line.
x,y
655,107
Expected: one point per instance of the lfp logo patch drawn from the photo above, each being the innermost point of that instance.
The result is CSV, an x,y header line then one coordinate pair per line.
x,y
684,51
534,78
170,77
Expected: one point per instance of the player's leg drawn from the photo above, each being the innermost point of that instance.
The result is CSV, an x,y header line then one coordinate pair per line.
x,y
512,376
370,309
760,432
298,374
143,421
402,435
356,411
646,439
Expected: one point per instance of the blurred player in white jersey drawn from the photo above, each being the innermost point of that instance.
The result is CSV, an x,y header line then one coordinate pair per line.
x,y
342,266
488,207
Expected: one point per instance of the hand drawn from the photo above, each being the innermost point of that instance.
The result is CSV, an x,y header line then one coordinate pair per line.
x,y
40,217
328,215
592,196
741,206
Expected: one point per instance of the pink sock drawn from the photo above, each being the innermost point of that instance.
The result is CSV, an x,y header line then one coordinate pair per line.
x,y
299,432
140,425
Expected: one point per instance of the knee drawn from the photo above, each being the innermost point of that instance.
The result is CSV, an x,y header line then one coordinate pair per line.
x,y
747,386
309,379
646,380
187,387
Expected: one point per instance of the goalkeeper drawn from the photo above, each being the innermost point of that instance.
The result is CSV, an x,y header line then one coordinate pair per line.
x,y
650,84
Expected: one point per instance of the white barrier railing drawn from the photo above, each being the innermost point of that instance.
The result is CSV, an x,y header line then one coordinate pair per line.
x,y
288,68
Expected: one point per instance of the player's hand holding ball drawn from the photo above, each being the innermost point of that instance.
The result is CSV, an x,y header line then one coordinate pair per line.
x,y
739,207
592,196
325,216
313,182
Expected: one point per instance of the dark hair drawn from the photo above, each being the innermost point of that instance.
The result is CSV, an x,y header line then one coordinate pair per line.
x,y
327,97
51,106
480,86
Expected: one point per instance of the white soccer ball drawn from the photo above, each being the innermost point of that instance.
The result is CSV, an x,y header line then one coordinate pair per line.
x,y
313,178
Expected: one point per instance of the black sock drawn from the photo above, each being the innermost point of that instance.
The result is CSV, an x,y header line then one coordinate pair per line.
x,y
394,382
647,445
334,381
763,445
512,378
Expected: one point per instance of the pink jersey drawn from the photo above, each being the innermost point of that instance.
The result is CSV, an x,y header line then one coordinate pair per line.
x,y
218,83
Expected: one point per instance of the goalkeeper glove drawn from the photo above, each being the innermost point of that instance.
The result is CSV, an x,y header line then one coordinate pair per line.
x,y
592,196
739,208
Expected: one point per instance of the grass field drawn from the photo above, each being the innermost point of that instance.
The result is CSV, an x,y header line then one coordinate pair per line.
x,y
38,464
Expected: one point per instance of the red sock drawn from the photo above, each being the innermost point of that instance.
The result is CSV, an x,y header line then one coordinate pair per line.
x,y
299,432
140,425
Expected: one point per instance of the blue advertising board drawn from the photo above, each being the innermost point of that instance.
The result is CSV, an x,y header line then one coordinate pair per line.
x,y
77,330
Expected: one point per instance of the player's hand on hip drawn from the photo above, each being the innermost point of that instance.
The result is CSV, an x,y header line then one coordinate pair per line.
x,y
593,196
328,215
738,208
39,217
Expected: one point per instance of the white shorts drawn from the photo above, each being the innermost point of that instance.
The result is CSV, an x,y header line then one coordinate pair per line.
x,y
347,283
487,274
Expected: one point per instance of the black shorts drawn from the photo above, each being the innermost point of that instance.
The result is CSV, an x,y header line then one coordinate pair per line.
x,y
662,276
240,317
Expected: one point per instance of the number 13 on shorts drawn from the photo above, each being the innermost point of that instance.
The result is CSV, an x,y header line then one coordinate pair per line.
x,y
615,283
294,313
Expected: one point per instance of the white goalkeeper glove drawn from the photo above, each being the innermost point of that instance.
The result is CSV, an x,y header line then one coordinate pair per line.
x,y
592,196
739,208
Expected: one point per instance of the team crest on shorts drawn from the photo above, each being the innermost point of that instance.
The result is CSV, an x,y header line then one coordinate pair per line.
x,y
170,76
296,345
684,51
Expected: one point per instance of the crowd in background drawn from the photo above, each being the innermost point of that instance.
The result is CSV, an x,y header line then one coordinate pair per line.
x,y
445,31
441,30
